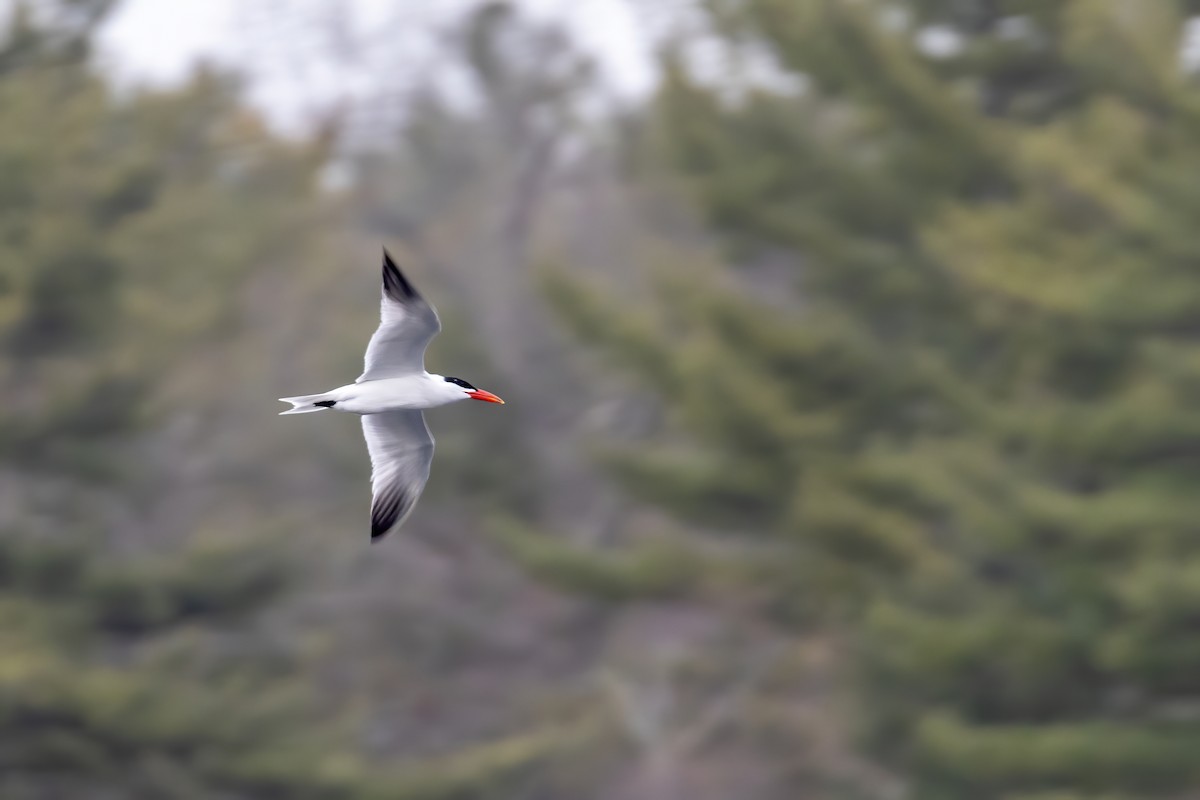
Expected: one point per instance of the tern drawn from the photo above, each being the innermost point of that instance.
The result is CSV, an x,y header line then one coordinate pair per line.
x,y
390,396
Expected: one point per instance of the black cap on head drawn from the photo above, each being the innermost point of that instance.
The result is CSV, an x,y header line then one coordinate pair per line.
x,y
460,382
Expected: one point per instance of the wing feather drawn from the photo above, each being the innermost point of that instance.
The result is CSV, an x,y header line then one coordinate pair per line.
x,y
401,449
407,323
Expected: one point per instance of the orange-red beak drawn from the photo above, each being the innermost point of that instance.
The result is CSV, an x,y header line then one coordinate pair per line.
x,y
487,397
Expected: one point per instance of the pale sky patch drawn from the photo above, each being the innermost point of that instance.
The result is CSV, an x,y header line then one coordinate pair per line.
x,y
271,41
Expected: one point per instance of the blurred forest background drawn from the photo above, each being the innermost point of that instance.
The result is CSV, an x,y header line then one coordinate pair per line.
x,y
851,448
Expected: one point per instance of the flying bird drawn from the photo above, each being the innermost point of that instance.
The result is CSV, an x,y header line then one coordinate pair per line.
x,y
390,396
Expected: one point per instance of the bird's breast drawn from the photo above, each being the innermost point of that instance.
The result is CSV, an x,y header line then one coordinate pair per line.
x,y
387,394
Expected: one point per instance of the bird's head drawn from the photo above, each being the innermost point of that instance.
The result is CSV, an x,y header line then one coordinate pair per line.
x,y
470,391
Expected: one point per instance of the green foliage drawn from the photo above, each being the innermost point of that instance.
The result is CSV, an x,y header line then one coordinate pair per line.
x,y
100,203
972,424
89,697
151,679
653,569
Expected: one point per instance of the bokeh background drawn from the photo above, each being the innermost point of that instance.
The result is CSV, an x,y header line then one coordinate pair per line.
x,y
852,358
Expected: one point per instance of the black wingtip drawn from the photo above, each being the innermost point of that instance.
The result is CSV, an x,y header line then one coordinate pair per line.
x,y
395,285
387,511
382,521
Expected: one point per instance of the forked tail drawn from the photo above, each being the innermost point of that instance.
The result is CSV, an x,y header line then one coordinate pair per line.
x,y
306,404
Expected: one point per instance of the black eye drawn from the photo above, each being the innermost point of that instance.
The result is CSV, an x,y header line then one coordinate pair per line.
x,y
460,382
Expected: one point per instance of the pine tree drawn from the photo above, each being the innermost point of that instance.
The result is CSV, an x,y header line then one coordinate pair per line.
x,y
967,432
132,227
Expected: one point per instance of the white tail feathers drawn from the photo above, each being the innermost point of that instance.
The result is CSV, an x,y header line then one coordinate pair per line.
x,y
306,404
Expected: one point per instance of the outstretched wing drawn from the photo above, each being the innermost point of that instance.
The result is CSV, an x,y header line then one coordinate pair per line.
x,y
401,449
407,324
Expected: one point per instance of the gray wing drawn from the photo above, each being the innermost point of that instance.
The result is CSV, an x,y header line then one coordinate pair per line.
x,y
407,324
401,449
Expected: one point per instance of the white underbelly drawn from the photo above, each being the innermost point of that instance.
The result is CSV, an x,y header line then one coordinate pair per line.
x,y
377,397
